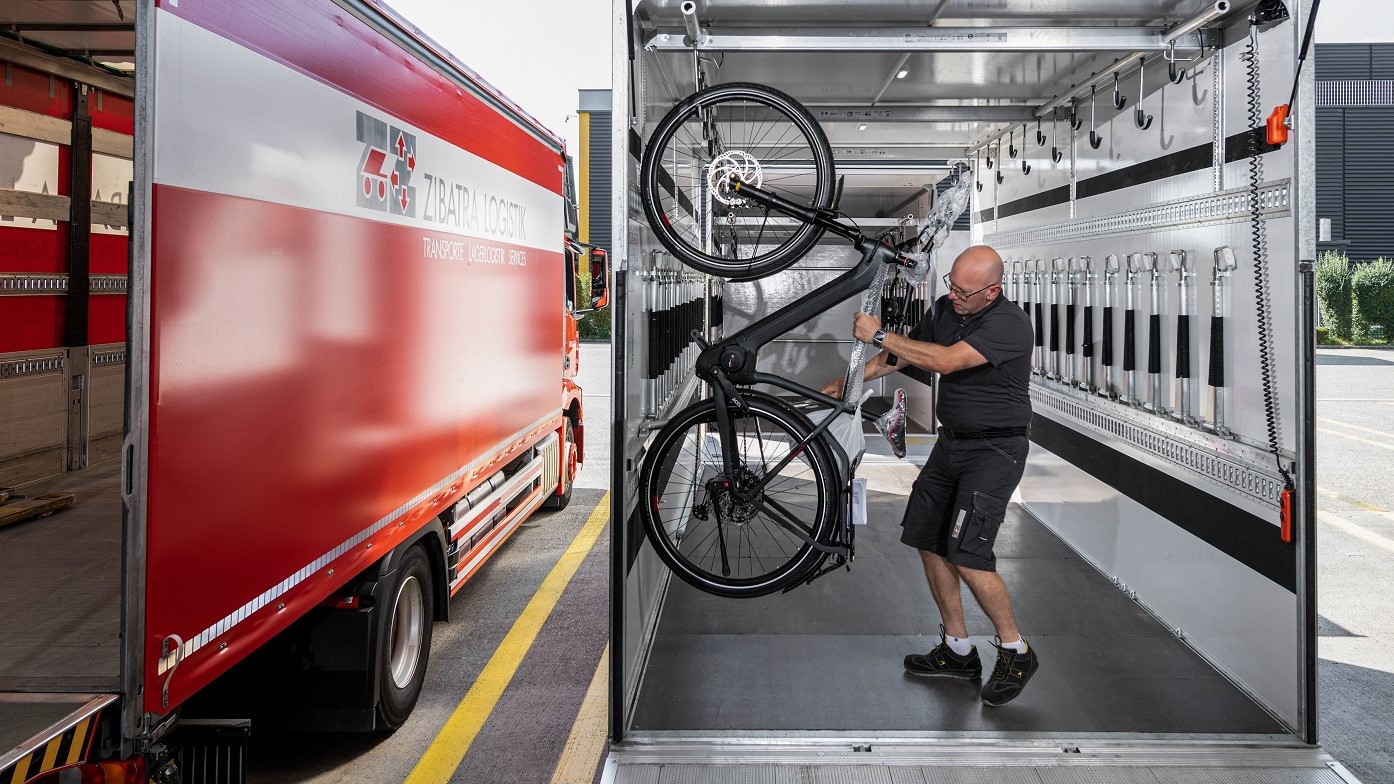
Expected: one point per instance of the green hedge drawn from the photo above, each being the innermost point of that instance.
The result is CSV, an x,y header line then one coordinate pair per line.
x,y
1372,297
1334,294
596,325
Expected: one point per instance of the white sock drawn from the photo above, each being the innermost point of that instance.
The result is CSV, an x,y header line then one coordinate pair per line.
x,y
959,645
1019,646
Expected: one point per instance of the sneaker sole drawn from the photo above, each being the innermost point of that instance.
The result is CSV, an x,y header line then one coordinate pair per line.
x,y
1000,704
963,676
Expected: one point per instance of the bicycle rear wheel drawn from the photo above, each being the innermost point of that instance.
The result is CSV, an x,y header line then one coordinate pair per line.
x,y
701,528
766,138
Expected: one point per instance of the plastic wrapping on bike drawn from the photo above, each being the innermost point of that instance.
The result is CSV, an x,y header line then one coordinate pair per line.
x,y
846,431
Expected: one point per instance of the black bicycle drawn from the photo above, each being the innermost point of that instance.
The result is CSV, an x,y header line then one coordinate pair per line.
x,y
744,494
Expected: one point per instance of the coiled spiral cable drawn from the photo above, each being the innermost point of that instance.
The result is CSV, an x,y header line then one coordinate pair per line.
x,y
1258,232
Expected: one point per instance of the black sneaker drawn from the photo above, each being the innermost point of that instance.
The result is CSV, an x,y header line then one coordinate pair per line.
x,y
942,662
1010,675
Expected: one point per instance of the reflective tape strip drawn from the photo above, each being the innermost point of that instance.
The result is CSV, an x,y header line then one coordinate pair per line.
x,y
227,623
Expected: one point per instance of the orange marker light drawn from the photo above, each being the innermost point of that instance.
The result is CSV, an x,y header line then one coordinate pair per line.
x,y
1277,125
1285,509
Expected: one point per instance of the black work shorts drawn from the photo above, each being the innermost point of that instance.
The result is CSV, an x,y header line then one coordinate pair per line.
x,y
960,498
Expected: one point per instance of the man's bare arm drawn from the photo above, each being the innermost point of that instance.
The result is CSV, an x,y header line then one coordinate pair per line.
x,y
873,369
930,356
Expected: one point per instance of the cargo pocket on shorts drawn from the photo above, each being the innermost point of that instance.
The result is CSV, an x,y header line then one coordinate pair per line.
x,y
980,526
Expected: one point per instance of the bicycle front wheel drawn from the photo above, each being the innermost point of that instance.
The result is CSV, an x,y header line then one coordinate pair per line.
x,y
768,140
704,523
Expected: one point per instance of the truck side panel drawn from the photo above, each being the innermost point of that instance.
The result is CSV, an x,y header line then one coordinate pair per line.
x,y
355,310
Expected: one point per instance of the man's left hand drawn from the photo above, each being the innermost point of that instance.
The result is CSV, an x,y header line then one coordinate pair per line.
x,y
864,327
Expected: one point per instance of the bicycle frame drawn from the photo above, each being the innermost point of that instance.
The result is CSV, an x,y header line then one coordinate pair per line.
x,y
732,361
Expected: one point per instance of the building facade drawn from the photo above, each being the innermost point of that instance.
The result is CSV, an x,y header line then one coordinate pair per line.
x,y
1355,130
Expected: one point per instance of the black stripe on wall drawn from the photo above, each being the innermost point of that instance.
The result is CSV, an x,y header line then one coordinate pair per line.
x,y
635,538
1198,158
1035,201
665,181
1247,539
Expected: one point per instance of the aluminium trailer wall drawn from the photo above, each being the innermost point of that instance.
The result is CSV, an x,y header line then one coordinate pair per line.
x,y
1280,682
1185,521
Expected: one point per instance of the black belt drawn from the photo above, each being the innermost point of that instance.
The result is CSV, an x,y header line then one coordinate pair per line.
x,y
1002,432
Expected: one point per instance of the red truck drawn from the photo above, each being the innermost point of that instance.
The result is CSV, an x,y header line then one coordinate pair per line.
x,y
295,388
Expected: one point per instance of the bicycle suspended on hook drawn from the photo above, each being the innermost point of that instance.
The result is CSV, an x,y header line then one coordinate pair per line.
x,y
743,494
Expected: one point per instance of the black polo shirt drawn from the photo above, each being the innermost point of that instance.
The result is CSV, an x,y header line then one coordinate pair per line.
x,y
990,396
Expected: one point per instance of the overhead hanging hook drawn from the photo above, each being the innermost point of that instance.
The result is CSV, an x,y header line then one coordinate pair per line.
x,y
1040,135
1000,175
977,167
1011,143
1141,118
1075,121
1055,153
1119,100
1176,75
1094,138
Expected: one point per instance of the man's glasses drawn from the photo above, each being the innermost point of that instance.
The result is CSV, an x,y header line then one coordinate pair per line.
x,y
960,293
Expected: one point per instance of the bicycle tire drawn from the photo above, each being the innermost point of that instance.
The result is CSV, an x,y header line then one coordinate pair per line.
x,y
665,198
680,512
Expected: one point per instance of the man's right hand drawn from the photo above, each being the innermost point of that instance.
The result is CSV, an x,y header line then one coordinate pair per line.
x,y
833,388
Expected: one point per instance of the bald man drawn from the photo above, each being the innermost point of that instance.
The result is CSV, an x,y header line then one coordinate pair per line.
x,y
980,345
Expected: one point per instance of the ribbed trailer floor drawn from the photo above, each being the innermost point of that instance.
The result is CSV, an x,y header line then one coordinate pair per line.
x,y
60,649
767,689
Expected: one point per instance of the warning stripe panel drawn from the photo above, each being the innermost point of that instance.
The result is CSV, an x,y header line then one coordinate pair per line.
x,y
66,748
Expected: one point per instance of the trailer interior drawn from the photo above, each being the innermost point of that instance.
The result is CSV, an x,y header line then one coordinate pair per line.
x,y
1146,553
66,128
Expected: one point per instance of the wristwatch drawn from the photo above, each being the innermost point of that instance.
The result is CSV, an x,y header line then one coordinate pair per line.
x,y
878,337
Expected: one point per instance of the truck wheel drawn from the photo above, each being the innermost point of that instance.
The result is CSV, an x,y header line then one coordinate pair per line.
x,y
556,501
406,642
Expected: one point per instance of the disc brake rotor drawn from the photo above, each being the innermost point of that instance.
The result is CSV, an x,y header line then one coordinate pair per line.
x,y
719,172
732,510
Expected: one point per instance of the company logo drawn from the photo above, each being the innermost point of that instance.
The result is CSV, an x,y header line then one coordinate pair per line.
x,y
386,167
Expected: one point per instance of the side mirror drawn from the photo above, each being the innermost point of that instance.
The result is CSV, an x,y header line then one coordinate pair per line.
x,y
600,278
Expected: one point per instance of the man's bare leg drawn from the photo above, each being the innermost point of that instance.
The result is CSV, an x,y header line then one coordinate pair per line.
x,y
948,595
991,593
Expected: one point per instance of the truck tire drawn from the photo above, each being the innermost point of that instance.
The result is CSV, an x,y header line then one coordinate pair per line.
x,y
563,499
406,640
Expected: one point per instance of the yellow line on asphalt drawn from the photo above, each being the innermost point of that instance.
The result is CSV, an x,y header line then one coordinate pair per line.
x,y
443,756
1380,444
1364,506
1339,423
581,756
1357,530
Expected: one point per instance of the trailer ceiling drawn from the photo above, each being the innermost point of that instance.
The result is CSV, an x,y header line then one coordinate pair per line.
x,y
842,59
100,32
917,85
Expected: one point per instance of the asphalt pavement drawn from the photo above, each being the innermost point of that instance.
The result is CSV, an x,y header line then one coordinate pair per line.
x,y
1355,550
